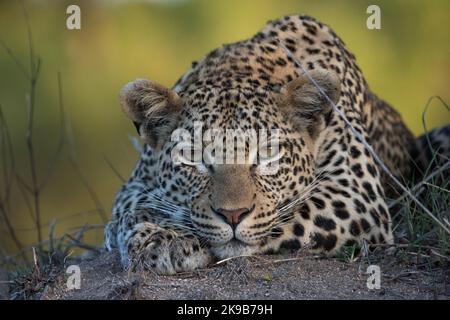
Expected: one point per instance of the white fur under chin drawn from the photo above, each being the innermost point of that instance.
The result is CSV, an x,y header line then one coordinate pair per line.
x,y
233,249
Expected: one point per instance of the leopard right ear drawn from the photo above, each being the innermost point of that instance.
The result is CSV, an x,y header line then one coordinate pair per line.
x,y
153,109
305,105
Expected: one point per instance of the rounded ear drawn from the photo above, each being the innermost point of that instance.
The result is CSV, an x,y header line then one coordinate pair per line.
x,y
304,104
153,108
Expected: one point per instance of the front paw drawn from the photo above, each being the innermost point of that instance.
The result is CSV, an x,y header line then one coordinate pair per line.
x,y
166,252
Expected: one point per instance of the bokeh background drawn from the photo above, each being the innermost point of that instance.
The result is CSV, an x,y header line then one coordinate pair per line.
x,y
406,62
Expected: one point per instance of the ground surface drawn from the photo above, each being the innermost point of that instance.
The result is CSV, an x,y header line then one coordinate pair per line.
x,y
299,276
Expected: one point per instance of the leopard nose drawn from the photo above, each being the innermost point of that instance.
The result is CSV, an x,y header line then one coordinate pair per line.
x,y
235,216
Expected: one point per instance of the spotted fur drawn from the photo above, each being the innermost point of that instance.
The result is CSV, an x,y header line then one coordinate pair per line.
x,y
328,192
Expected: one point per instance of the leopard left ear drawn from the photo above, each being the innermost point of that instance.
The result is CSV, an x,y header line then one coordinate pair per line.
x,y
153,109
305,106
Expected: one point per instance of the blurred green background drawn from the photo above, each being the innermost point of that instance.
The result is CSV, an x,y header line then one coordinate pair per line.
x,y
406,62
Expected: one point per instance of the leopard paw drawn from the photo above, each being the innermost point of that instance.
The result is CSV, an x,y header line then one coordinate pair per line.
x,y
164,251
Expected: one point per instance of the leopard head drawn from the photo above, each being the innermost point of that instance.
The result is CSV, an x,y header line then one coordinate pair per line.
x,y
233,205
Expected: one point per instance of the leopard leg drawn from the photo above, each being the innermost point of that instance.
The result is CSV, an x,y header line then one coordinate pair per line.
x,y
111,235
147,242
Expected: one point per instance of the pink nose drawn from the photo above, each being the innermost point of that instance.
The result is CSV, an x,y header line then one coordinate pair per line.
x,y
233,217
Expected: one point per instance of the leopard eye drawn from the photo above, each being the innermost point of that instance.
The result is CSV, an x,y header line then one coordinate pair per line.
x,y
269,153
187,156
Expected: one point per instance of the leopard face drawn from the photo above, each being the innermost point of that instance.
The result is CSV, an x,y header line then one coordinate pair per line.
x,y
232,205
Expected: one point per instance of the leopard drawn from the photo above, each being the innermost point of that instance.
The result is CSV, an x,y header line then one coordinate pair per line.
x,y
328,190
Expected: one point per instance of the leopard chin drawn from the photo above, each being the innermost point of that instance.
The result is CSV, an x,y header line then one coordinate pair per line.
x,y
234,248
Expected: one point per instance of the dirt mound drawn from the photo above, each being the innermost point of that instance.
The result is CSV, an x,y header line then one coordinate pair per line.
x,y
302,276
